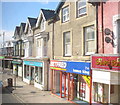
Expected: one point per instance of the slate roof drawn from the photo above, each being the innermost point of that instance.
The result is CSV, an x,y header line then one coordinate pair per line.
x,y
48,13
32,21
23,26
17,30
59,6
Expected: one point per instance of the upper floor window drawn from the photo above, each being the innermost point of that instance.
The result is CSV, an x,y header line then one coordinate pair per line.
x,y
42,25
89,35
38,42
67,44
81,8
65,14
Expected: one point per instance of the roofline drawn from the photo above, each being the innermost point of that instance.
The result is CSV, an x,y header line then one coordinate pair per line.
x,y
59,6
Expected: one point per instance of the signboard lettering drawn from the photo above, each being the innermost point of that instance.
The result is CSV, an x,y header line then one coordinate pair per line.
x,y
71,67
106,62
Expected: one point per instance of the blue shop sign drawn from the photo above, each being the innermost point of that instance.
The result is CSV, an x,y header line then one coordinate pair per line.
x,y
71,67
32,63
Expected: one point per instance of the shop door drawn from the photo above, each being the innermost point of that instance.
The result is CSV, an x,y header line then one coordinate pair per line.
x,y
32,75
68,86
98,92
64,84
82,88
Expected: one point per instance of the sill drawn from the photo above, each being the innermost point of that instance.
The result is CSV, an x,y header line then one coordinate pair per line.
x,y
81,15
65,21
66,55
89,53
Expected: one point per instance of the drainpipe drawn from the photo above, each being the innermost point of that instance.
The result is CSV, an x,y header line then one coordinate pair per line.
x,y
97,28
53,40
102,27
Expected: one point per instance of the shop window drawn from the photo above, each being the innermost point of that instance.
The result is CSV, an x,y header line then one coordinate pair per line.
x,y
82,89
112,89
81,7
38,75
65,14
41,75
89,39
67,44
26,71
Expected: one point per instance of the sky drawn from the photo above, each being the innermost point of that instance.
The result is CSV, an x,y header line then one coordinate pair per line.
x,y
13,13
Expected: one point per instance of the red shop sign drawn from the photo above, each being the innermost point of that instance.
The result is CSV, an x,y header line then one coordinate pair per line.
x,y
106,62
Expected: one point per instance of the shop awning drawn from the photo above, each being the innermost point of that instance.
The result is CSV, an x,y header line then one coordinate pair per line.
x,y
16,62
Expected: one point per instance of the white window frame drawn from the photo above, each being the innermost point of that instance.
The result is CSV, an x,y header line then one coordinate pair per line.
x,y
115,30
66,15
87,40
79,8
65,44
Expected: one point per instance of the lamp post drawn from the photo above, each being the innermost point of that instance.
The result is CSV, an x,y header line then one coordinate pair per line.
x,y
3,42
3,48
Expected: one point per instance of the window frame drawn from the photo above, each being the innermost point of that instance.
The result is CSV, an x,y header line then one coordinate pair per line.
x,y
79,8
42,25
87,40
67,15
64,44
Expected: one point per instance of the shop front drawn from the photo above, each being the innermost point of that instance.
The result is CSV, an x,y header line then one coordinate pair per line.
x,y
106,78
8,62
17,67
71,80
1,61
35,73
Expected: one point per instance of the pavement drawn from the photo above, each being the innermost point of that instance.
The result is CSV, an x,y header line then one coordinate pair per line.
x,y
30,94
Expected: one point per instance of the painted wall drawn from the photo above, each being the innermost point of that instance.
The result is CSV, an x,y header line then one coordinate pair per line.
x,y
109,10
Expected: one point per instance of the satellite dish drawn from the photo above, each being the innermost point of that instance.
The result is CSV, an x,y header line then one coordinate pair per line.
x,y
107,31
108,40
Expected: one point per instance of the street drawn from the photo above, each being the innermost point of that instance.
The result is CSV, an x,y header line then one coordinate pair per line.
x,y
7,96
23,93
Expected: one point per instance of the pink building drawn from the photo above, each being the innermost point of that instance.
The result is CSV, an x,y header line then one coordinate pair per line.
x,y
109,22
106,64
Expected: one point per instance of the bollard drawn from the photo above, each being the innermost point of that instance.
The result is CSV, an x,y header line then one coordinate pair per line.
x,y
10,82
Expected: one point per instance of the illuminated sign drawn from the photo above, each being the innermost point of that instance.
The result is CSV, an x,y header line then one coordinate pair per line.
x,y
71,67
106,62
32,63
58,65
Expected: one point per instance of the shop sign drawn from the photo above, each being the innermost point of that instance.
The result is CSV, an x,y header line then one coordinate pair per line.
x,y
106,62
1,57
87,79
58,65
32,63
71,67
17,61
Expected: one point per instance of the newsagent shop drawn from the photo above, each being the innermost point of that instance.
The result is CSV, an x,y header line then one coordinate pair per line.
x,y
106,78
36,73
71,80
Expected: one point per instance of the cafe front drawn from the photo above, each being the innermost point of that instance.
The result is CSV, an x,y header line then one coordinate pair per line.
x,y
106,78
71,80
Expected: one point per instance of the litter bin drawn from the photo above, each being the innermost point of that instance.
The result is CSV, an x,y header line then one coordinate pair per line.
x,y
10,82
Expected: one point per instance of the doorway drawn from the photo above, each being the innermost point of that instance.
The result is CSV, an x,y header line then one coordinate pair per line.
x,y
32,75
